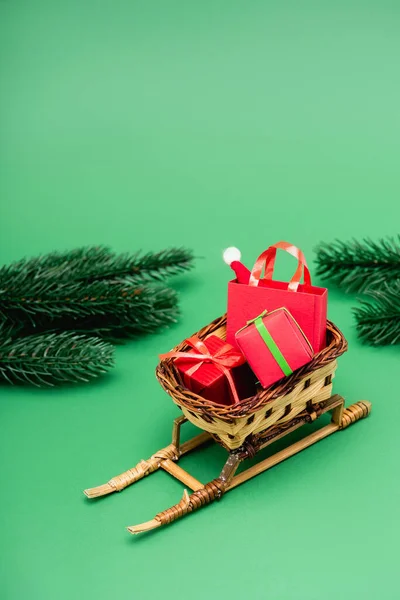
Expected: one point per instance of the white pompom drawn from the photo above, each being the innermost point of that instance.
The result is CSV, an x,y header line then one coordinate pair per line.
x,y
231,254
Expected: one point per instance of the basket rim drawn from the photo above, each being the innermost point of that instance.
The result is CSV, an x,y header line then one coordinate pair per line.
x,y
171,381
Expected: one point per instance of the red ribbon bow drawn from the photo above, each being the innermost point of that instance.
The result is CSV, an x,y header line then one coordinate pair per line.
x,y
224,359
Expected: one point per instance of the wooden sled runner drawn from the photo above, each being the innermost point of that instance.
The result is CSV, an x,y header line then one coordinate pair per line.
x,y
242,429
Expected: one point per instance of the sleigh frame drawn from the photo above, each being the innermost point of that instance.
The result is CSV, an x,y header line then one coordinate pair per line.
x,y
243,429
168,457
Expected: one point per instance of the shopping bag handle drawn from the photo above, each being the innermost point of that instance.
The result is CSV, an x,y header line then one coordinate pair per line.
x,y
267,260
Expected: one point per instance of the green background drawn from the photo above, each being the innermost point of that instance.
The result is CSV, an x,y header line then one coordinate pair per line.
x,y
205,124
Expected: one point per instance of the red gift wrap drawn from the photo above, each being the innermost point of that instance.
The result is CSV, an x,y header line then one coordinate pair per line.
x,y
306,302
274,345
214,370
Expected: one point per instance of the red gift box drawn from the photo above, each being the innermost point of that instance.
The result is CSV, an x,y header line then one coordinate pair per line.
x,y
214,370
307,303
274,345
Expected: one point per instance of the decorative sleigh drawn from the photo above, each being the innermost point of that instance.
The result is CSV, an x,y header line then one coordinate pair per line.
x,y
242,429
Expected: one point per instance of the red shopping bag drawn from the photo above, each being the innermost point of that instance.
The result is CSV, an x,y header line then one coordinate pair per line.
x,y
307,303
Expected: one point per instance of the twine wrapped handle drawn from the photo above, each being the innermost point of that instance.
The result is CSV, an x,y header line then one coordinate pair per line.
x,y
267,258
224,359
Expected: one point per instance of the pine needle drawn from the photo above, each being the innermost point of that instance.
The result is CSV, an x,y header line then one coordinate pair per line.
x,y
378,319
87,290
149,310
357,266
94,263
120,301
142,268
52,359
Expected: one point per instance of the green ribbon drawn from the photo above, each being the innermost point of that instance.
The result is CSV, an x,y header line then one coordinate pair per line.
x,y
271,344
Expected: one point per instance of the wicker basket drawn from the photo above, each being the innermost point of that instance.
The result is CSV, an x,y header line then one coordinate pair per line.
x,y
302,393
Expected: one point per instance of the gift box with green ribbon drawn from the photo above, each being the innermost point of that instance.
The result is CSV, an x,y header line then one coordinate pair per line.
x,y
274,345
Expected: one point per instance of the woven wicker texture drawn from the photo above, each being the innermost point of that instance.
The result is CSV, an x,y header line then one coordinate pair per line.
x,y
281,402
210,492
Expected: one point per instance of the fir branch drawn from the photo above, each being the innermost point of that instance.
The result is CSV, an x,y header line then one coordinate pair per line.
x,y
50,359
109,308
356,266
143,268
149,311
49,299
89,290
59,266
75,300
94,263
378,320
